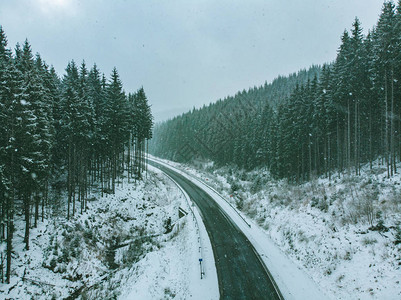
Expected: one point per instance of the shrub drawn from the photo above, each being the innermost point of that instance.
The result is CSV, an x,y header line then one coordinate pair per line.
x,y
398,234
73,252
134,252
64,255
328,271
53,263
75,242
88,234
321,203
368,241
239,202
314,202
347,255
167,225
111,252
256,185
370,196
234,187
379,227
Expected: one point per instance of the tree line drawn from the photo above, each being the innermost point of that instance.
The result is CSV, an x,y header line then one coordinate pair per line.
x,y
62,134
341,115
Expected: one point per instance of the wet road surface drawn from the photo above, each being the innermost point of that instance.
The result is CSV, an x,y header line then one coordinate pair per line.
x,y
240,272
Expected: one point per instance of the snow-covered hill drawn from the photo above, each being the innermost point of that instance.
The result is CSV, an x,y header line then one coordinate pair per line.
x,y
131,245
344,232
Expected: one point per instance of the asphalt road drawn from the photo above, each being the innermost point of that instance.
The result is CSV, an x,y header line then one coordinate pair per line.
x,y
240,272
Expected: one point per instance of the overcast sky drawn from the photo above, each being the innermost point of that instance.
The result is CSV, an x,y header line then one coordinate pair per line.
x,y
186,53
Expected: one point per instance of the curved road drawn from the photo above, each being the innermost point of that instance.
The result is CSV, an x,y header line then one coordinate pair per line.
x,y
240,271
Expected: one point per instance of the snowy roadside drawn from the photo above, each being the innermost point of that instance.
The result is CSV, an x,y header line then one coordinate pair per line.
x,y
163,267
117,248
291,281
320,226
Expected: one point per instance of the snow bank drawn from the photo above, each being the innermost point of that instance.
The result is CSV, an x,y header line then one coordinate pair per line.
x,y
324,227
190,245
292,282
118,248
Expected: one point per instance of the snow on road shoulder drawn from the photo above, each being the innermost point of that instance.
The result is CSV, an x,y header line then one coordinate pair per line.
x,y
122,246
344,232
177,264
292,282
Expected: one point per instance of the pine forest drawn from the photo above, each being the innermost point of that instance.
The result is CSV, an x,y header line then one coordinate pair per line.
x,y
331,117
62,135
255,143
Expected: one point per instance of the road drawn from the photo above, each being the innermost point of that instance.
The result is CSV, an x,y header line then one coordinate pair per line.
x,y
240,272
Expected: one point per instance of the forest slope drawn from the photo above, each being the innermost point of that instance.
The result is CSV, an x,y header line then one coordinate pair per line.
x,y
130,243
298,127
345,233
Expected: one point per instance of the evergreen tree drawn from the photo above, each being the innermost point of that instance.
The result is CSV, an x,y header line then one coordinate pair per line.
x,y
116,120
77,127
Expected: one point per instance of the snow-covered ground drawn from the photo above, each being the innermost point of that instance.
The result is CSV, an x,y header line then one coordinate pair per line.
x,y
118,248
344,233
341,233
178,263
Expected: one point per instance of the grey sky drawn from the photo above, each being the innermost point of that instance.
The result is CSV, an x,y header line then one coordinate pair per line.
x,y
186,53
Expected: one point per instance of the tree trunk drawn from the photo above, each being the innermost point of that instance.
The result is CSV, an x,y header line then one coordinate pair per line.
x,y
386,126
69,179
114,170
45,198
392,154
129,156
37,199
339,154
147,155
370,138
27,219
348,137
356,137
10,232
329,157
310,158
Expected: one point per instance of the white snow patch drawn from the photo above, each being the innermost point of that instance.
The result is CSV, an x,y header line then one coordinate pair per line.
x,y
162,266
322,226
292,282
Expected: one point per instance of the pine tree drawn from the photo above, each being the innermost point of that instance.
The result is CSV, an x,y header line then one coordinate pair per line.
x,y
117,114
50,128
96,97
143,124
7,194
32,134
69,126
384,47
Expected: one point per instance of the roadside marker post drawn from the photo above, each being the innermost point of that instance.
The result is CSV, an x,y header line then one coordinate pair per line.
x,y
200,266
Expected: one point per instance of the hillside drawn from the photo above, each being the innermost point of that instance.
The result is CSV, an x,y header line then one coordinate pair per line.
x,y
305,125
123,244
344,233
171,138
